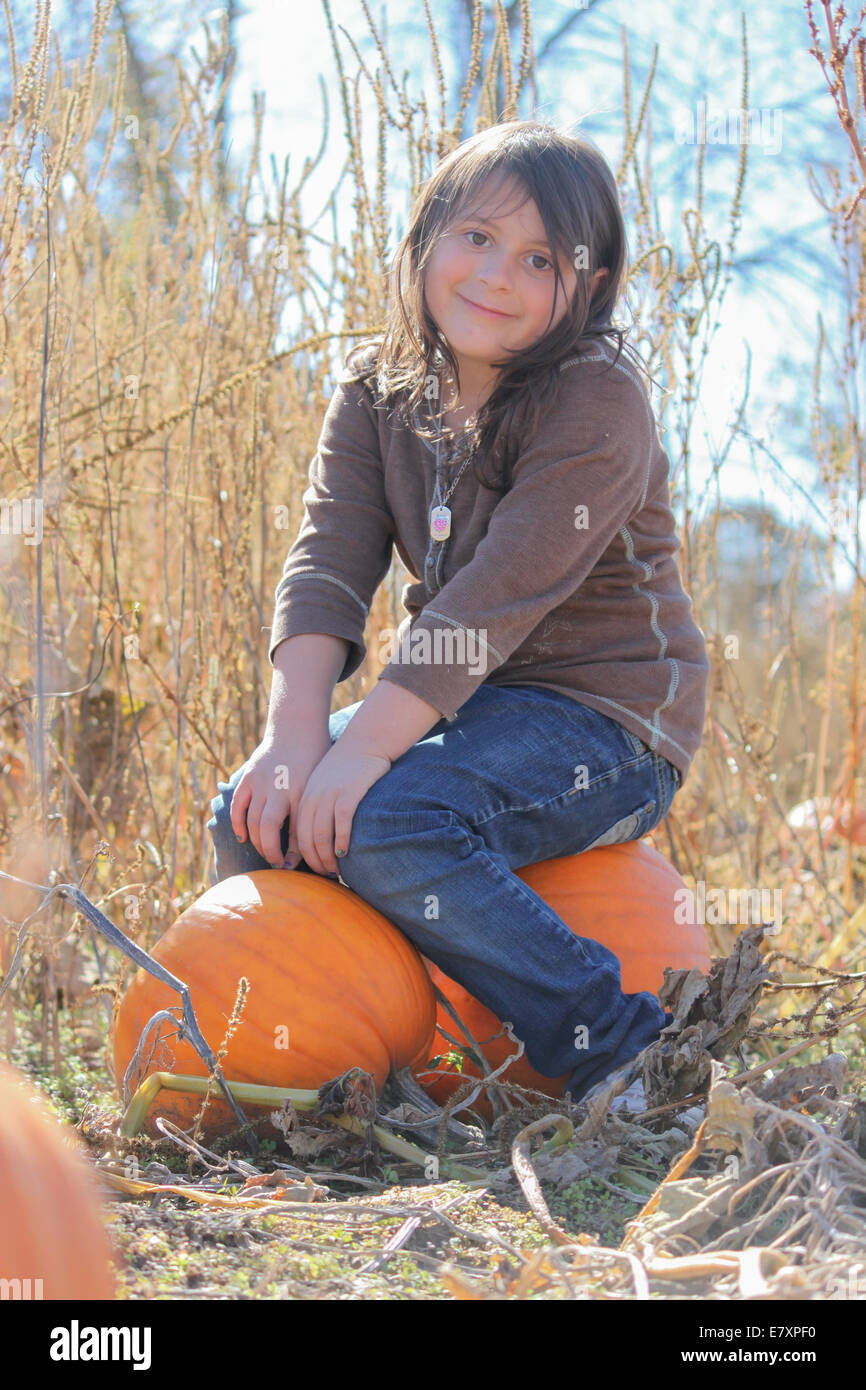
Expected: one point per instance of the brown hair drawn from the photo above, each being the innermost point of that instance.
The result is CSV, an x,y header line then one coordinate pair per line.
x,y
575,192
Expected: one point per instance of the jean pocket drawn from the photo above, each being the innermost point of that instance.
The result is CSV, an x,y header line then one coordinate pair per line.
x,y
630,827
637,744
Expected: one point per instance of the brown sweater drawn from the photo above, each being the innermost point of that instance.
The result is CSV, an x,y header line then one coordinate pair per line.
x,y
567,581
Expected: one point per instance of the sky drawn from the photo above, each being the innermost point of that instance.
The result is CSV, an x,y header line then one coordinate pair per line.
x,y
769,321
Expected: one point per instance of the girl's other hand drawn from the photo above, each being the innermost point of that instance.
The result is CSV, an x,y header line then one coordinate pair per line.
x,y
331,797
270,789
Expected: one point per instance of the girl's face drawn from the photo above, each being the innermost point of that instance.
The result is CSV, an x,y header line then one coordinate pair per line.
x,y
490,284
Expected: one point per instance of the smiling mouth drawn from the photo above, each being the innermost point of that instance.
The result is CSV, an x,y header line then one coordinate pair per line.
x,y
482,309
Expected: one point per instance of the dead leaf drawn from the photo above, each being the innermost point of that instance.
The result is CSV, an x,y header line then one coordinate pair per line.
x,y
709,1019
575,1162
680,990
794,1086
690,1206
309,1143
730,1123
285,1189
285,1119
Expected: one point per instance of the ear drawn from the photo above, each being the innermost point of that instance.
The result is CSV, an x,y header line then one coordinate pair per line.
x,y
597,278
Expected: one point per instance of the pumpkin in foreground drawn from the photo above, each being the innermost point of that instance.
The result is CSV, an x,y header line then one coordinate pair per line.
x,y
51,1228
333,985
620,895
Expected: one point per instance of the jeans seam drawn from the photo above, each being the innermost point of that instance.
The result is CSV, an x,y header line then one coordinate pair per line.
x,y
563,796
658,758
522,810
431,817
516,884
660,797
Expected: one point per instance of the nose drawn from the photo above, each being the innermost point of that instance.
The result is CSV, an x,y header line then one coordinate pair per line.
x,y
496,270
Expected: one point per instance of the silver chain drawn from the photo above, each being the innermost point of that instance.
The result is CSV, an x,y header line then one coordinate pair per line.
x,y
463,467
434,558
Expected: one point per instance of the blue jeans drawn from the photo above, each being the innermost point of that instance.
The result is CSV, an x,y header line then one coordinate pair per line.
x,y
434,842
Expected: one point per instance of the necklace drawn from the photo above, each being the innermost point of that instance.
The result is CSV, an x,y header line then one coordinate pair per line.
x,y
440,516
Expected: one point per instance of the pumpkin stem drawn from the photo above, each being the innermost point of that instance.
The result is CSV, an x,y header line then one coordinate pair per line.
x,y
253,1094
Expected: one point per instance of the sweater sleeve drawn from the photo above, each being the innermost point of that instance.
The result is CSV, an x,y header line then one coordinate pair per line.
x,y
343,548
582,477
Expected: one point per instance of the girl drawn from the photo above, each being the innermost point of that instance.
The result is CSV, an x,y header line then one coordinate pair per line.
x,y
545,693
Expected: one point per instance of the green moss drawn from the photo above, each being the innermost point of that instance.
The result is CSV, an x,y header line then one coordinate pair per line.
x,y
590,1208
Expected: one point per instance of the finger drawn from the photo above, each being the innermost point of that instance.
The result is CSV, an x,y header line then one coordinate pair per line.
x,y
323,836
254,818
272,820
293,851
237,811
304,833
343,815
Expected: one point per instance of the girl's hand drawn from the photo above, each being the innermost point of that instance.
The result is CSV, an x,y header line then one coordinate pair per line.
x,y
271,788
333,790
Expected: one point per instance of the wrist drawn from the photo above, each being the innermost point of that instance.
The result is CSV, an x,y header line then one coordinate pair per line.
x,y
310,718
345,747
354,743
390,721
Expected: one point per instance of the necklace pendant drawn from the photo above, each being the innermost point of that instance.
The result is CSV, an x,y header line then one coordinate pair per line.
x,y
440,523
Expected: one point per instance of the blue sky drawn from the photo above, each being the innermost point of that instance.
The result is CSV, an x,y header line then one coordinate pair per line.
x,y
283,47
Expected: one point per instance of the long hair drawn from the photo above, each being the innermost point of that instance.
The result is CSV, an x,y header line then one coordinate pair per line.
x,y
575,192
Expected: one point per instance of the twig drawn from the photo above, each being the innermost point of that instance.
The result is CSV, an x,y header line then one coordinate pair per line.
x,y
456,1102
231,1028
836,83
526,1173
177,1136
825,1033
188,1026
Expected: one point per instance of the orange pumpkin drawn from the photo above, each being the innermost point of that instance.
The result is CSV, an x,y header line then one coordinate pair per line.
x,y
620,895
53,1243
333,985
